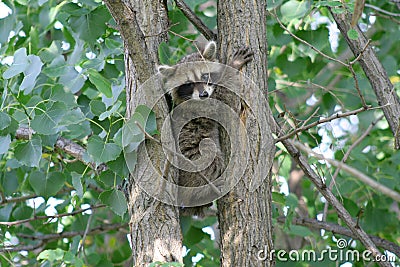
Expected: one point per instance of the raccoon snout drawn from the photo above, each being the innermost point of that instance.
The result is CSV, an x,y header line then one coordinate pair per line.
x,y
203,94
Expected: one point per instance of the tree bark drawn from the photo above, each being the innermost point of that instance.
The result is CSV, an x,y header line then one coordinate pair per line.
x,y
154,226
245,217
376,74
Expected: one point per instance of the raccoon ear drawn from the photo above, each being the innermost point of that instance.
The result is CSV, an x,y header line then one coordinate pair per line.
x,y
210,51
165,69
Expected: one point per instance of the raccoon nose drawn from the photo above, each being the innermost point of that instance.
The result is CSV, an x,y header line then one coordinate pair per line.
x,y
203,94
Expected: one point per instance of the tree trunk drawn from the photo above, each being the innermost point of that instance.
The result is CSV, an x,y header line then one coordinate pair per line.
x,y
245,216
154,226
376,74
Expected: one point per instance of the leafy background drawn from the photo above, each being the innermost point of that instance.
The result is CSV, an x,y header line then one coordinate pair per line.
x,y
62,78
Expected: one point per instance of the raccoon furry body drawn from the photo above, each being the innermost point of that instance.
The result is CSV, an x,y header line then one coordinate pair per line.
x,y
199,129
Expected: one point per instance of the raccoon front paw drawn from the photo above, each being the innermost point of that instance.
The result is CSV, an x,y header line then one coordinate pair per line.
x,y
241,57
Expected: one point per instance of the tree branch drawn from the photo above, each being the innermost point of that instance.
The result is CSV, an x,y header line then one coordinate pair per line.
x,y
320,121
330,197
376,74
49,237
69,147
8,224
337,229
356,173
191,16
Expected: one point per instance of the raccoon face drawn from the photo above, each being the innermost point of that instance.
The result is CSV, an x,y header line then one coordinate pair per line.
x,y
193,90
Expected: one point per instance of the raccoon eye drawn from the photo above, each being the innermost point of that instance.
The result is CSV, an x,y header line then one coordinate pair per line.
x,y
205,77
185,90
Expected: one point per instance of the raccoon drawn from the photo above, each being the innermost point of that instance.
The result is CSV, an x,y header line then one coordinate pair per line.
x,y
199,129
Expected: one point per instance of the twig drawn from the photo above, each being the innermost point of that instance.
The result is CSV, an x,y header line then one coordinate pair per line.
x,y
200,26
337,229
356,173
52,216
346,156
364,104
69,147
49,237
361,53
16,199
320,121
382,10
305,42
329,196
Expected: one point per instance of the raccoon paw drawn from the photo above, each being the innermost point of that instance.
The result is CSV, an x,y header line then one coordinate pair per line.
x,y
241,57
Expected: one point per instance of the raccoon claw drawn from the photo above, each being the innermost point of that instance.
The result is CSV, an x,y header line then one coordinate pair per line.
x,y
241,57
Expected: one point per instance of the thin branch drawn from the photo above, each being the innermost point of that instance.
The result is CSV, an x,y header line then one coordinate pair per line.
x,y
35,218
382,10
337,229
305,42
191,16
16,199
346,156
50,237
330,197
356,173
69,147
320,121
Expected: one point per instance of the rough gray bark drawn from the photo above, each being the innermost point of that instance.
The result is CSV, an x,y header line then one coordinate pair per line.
x,y
245,217
154,226
376,74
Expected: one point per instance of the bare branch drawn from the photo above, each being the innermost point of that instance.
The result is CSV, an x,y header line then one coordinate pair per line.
x,y
337,229
345,157
330,197
356,173
305,42
375,72
49,237
382,10
320,121
200,26
69,147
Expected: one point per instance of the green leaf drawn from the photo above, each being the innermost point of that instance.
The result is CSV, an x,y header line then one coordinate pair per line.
x,y
5,142
115,199
31,72
51,255
294,9
29,153
108,113
9,182
92,26
5,120
77,183
97,107
132,135
352,34
47,122
56,68
22,212
72,117
101,83
19,64
46,185
164,53
102,152
300,230
150,117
